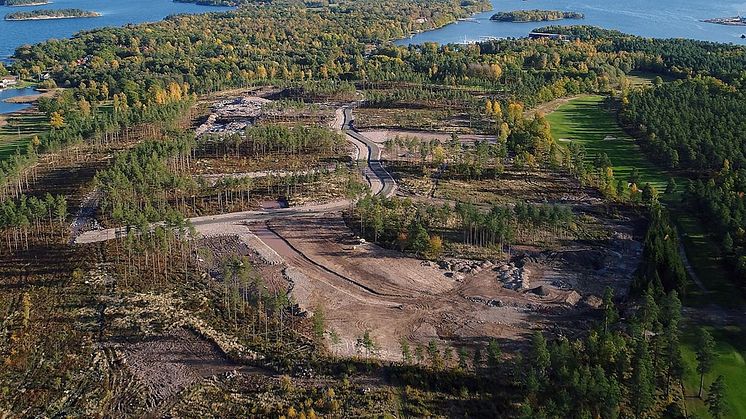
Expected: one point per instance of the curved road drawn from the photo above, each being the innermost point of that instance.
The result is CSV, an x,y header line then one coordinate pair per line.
x,y
381,182
375,170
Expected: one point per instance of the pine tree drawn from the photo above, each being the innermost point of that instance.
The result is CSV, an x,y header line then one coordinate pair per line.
x,y
462,359
539,357
434,354
319,322
406,352
670,186
477,362
705,354
643,379
716,398
610,313
493,353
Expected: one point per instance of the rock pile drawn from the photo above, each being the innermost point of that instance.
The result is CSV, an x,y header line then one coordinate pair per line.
x,y
463,266
513,277
265,253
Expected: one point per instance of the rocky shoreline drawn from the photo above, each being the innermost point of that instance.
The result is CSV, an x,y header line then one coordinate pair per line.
x,y
728,21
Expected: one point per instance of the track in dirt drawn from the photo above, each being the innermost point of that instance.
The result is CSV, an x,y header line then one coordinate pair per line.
x,y
294,257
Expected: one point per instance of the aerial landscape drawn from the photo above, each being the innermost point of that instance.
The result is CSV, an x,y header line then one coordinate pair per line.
x,y
367,208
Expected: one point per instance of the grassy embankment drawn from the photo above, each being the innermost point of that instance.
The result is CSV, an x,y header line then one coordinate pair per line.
x,y
585,120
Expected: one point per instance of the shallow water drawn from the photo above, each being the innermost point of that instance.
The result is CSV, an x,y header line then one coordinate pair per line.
x,y
14,107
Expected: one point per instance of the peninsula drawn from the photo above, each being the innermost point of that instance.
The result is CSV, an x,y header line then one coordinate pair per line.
x,y
51,14
535,16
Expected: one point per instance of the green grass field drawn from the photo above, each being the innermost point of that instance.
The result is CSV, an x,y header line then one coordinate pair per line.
x,y
18,131
731,350
586,121
705,257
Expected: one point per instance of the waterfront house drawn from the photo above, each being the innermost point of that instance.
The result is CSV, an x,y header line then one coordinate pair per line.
x,y
7,81
539,35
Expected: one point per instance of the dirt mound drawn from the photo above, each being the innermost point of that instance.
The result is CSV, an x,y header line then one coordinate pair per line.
x,y
592,301
541,290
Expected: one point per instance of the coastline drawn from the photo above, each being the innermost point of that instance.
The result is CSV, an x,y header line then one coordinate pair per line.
x,y
726,21
468,19
52,18
30,99
40,3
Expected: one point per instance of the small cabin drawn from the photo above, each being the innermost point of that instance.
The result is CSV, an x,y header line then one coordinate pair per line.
x,y
7,81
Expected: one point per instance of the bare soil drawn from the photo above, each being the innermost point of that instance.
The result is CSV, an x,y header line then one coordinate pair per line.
x,y
548,107
368,288
167,364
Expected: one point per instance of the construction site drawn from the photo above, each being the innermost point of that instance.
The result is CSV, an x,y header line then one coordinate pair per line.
x,y
310,251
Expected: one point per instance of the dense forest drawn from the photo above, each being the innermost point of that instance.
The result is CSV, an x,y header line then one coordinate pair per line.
x,y
720,203
677,57
421,228
694,124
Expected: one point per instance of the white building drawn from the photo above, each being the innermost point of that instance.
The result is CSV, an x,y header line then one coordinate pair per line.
x,y
7,81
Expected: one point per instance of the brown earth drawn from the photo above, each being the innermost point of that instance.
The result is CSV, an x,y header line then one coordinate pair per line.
x,y
363,287
171,362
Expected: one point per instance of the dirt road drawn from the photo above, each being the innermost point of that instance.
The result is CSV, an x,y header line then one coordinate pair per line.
x,y
380,180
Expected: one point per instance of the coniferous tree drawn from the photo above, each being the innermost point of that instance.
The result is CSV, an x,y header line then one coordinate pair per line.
x,y
642,384
705,353
716,398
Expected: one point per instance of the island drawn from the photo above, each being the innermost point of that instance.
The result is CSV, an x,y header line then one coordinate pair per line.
x,y
21,3
221,3
51,14
730,21
535,16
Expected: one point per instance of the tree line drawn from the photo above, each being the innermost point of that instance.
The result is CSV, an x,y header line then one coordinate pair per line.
x,y
421,228
30,215
693,124
719,203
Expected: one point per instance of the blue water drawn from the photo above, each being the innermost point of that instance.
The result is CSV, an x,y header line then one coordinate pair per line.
x,y
14,107
655,19
115,13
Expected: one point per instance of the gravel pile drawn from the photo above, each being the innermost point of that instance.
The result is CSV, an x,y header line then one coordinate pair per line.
x,y
266,253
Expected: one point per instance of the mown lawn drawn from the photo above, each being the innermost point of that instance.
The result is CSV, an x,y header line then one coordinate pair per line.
x,y
731,350
705,257
18,131
586,121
